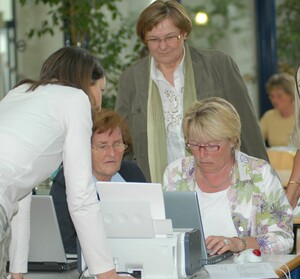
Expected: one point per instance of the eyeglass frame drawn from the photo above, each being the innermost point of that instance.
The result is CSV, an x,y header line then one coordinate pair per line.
x,y
156,41
204,147
104,147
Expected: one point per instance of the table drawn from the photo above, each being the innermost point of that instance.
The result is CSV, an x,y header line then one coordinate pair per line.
x,y
291,265
74,274
281,264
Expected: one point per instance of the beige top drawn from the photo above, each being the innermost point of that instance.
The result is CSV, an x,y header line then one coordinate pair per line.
x,y
276,129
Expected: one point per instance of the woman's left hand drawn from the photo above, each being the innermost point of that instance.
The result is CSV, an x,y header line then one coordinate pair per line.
x,y
221,244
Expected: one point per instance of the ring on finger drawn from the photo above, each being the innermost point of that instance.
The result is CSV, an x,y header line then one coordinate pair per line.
x,y
226,241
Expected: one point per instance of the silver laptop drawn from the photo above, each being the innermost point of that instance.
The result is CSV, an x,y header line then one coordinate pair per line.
x,y
46,250
184,211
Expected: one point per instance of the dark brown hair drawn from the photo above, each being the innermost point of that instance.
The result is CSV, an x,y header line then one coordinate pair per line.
x,y
70,66
160,10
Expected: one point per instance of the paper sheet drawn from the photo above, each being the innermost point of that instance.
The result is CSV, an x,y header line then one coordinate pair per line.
x,y
245,271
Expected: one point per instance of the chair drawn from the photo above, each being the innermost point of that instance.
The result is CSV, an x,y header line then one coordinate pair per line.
x,y
282,161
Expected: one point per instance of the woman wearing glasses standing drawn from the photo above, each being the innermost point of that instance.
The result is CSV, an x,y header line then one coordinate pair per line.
x,y
242,202
155,92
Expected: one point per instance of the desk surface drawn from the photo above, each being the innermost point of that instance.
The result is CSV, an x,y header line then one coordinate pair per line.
x,y
73,274
279,262
202,274
287,266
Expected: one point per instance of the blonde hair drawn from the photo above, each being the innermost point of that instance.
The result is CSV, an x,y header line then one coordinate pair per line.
x,y
213,119
284,81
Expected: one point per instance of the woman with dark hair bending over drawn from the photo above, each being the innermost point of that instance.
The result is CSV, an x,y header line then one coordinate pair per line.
x,y
42,124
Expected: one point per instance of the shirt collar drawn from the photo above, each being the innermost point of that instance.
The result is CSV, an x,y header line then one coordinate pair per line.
x,y
157,74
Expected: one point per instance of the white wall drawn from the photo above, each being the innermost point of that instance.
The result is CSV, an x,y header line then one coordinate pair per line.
x,y
37,49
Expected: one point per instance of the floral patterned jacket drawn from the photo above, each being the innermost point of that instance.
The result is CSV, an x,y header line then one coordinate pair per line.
x,y
258,203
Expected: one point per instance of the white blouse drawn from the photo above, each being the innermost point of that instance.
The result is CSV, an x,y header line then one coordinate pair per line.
x,y
39,130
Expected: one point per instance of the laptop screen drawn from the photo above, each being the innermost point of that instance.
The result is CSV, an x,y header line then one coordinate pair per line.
x,y
134,191
184,211
46,251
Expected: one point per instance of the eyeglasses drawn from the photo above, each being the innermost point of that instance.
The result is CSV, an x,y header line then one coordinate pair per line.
x,y
118,146
207,148
169,40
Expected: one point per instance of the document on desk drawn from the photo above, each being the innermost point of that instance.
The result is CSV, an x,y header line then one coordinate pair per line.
x,y
241,271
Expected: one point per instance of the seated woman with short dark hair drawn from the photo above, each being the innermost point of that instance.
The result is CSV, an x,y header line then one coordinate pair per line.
x,y
110,139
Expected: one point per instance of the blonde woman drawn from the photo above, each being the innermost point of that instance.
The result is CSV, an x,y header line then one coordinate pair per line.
x,y
242,202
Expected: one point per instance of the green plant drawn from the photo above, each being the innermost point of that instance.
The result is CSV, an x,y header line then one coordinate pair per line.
x,y
97,25
221,20
288,35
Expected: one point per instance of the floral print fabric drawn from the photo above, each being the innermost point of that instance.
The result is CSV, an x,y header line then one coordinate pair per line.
x,y
259,207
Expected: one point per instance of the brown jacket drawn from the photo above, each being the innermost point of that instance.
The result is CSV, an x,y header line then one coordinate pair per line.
x,y
216,74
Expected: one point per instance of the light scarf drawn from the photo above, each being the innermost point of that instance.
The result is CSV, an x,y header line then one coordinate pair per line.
x,y
156,131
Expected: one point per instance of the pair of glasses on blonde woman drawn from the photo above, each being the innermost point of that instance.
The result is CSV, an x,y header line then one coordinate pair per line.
x,y
206,147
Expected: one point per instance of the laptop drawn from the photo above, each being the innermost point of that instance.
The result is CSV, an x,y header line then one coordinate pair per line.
x,y
184,211
46,250
132,192
128,210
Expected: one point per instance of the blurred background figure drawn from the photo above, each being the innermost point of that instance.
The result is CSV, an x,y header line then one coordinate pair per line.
x,y
277,123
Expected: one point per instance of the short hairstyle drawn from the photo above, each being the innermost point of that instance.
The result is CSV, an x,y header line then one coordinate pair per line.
x,y
106,120
284,81
70,66
212,119
160,10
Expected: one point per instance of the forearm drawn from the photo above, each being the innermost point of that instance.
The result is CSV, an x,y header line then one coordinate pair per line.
x,y
250,242
16,276
293,187
111,274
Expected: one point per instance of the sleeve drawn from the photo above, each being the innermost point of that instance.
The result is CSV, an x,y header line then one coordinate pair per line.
x,y
177,176
123,103
20,228
274,219
81,194
296,131
252,142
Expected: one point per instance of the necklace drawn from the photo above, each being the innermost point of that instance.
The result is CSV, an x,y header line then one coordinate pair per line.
x,y
222,183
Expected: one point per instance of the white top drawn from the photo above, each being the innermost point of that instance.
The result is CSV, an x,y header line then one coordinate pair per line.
x,y
39,130
172,103
215,213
